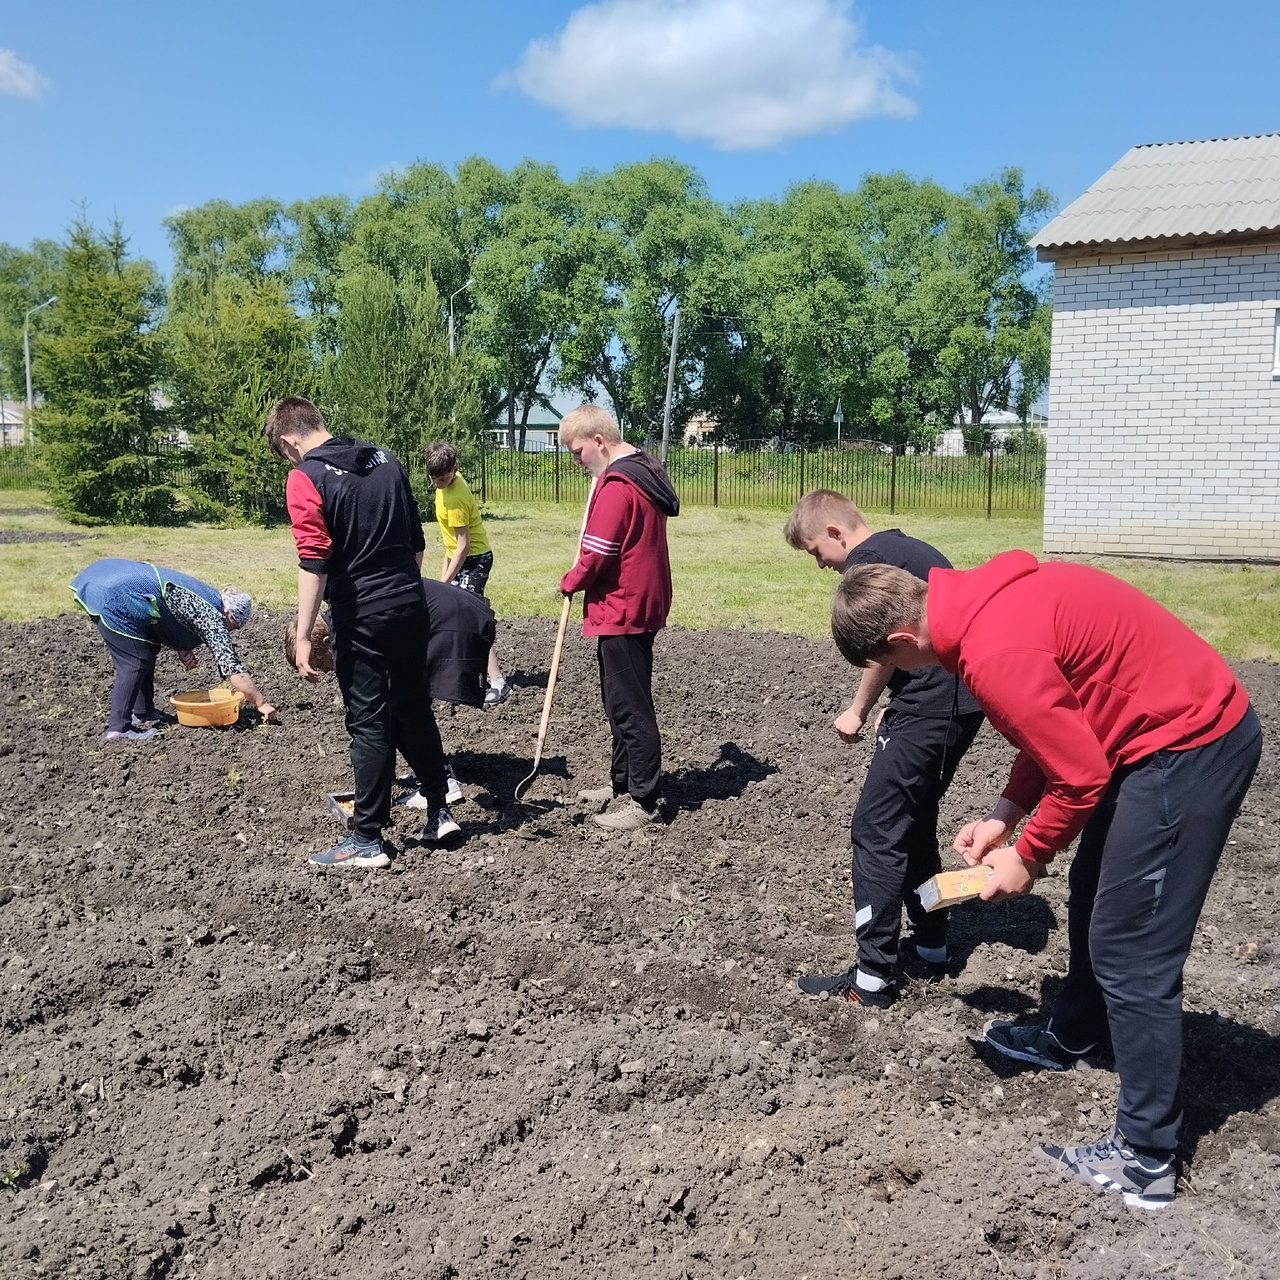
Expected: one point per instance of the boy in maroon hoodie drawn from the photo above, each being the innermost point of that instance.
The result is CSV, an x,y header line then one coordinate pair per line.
x,y
1134,735
625,572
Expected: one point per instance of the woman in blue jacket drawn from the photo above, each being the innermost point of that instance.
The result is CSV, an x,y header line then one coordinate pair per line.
x,y
140,608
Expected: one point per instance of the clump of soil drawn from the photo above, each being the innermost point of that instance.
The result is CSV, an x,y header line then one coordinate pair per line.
x,y
548,1051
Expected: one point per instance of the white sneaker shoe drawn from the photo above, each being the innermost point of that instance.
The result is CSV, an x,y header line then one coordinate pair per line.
x,y
453,789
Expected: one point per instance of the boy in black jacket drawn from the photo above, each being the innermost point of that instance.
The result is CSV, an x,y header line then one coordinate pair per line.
x,y
360,543
929,723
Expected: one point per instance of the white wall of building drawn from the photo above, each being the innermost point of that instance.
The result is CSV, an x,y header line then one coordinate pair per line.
x,y
1165,404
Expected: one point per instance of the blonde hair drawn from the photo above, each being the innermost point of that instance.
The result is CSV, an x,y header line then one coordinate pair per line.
x,y
319,638
588,420
810,516
871,601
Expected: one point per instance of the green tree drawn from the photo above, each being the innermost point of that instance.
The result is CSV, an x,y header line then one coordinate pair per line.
x,y
99,365
234,347
321,231
803,316
651,240
523,241
234,344
27,278
393,381
997,321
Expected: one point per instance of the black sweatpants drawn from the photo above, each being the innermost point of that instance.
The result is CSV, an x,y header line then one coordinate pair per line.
x,y
626,687
894,832
379,661
134,690
1137,885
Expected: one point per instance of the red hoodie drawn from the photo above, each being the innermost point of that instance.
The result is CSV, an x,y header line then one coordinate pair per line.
x,y
623,565
1082,673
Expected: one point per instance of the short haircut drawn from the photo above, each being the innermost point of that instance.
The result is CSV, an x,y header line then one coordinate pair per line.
x,y
871,601
295,416
588,420
319,636
441,458
815,511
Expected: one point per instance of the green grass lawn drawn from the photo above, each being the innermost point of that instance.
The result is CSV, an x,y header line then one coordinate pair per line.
x,y
731,568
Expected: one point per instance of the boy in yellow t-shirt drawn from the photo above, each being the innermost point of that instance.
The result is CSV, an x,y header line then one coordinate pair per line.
x,y
468,559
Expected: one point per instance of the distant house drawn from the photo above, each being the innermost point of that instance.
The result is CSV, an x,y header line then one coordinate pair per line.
x,y
12,422
1165,398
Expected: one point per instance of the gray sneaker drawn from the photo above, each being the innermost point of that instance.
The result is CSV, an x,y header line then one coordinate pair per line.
x,y
597,795
1110,1164
440,826
1033,1042
627,817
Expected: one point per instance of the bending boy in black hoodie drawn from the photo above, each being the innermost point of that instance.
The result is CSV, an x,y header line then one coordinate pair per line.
x,y
360,543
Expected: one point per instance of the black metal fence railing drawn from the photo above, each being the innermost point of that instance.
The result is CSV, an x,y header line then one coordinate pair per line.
x,y
21,468
715,476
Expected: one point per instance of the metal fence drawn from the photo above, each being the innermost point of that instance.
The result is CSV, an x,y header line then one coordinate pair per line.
x,y
743,476
21,468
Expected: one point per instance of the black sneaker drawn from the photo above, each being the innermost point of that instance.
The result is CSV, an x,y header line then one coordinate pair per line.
x,y
1110,1164
1033,1042
845,985
440,826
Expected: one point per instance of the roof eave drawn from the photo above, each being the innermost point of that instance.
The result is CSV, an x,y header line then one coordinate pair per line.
x,y
1262,238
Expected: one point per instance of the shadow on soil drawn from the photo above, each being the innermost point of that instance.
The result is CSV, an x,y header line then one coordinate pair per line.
x,y
725,778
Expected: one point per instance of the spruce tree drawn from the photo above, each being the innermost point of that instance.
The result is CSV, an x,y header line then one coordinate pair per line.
x,y
100,427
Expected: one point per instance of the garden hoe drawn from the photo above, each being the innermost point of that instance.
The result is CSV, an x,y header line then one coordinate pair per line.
x,y
522,787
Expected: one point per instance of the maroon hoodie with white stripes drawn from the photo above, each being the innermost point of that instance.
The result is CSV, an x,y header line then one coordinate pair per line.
x,y
623,567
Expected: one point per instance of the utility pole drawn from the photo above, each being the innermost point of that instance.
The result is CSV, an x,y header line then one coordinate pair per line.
x,y
671,379
26,354
453,345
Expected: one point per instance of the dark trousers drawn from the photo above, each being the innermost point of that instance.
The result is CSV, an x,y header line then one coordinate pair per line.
x,y
379,663
1137,885
894,832
134,690
626,687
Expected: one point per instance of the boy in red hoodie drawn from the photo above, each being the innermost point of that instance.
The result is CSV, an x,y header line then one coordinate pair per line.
x,y
1134,735
625,572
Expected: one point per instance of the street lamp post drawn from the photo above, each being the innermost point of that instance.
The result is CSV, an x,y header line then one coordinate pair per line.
x,y
26,355
453,346
838,419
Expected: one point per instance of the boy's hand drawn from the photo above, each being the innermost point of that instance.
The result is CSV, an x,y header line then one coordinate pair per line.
x,y
848,724
302,653
1011,874
977,838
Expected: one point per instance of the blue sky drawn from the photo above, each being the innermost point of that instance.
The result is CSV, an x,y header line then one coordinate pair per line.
x,y
138,108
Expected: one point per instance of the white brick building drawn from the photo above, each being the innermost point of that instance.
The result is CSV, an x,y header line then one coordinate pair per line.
x,y
1165,397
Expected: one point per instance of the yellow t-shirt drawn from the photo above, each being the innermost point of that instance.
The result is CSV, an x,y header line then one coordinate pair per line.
x,y
457,508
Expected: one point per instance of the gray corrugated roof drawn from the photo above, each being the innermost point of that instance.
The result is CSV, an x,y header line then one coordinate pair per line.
x,y
1222,186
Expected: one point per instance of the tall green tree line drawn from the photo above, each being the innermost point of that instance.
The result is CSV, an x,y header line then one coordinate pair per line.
x,y
913,306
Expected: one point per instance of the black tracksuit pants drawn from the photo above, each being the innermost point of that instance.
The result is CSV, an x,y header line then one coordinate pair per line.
x,y
626,687
1137,885
894,832
134,690
379,663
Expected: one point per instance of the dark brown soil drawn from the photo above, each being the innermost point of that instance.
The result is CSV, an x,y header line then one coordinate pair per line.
x,y
546,1051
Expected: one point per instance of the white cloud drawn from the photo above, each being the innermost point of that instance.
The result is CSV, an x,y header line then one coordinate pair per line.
x,y
738,73
20,78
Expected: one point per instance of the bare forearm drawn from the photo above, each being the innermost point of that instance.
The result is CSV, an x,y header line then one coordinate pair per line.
x,y
310,597
242,682
875,679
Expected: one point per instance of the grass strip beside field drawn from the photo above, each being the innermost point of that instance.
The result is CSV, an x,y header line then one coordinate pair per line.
x,y
731,568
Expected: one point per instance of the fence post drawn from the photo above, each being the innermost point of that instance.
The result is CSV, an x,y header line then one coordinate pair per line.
x,y
893,477
557,467
991,466
484,488
802,469
715,474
